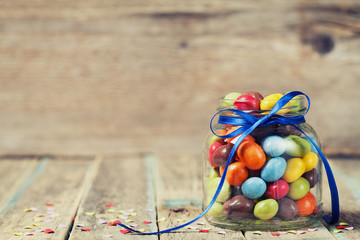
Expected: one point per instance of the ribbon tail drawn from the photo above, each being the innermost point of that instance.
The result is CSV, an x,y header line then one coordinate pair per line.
x,y
335,206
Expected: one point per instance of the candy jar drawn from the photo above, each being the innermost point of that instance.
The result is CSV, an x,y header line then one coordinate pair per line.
x,y
272,175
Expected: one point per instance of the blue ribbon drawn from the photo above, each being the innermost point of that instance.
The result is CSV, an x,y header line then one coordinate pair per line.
x,y
248,124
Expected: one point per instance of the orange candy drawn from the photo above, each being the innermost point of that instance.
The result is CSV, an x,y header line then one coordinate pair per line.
x,y
236,173
306,205
251,154
247,138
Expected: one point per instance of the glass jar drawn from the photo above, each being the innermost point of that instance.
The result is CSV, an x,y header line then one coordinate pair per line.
x,y
273,180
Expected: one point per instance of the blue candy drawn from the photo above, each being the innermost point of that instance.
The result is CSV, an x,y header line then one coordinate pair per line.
x,y
253,187
273,169
274,145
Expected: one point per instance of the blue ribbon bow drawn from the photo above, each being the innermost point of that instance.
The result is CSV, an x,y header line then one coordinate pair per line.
x,y
248,124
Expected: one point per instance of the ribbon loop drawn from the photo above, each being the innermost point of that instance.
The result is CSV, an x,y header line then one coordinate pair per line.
x,y
248,123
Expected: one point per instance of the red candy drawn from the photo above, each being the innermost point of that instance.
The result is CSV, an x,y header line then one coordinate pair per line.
x,y
246,102
277,189
212,149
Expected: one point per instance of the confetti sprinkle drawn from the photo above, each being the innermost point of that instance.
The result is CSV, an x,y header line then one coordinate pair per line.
x,y
162,219
180,220
49,220
36,224
109,205
110,210
204,230
33,209
51,209
39,230
125,231
28,234
257,232
275,234
62,225
107,236
193,227
113,223
349,228
85,229
80,225
39,215
27,210
130,210
340,227
90,213
200,223
300,232
120,211
49,204
312,229
146,222
18,234
28,227
129,220
338,231
292,231
343,224
36,219
123,217
133,214
141,229
102,221
221,232
48,231
134,225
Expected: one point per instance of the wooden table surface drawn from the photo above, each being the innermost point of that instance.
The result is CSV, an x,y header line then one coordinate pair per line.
x,y
70,195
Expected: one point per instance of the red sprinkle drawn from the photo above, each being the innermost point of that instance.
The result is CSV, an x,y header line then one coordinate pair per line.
x,y
47,231
112,224
125,231
109,205
85,229
340,227
146,222
204,230
49,204
275,234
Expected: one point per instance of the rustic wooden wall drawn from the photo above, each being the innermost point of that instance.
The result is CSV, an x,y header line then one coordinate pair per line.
x,y
112,76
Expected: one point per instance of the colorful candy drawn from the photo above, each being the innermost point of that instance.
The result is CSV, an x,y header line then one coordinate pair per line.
x,y
274,146
246,102
297,146
311,160
251,154
294,169
277,189
236,174
306,205
274,169
266,209
287,208
238,207
253,187
225,192
229,99
212,149
221,155
312,177
299,188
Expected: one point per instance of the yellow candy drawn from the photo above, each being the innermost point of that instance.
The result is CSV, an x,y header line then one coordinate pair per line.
x,y
294,169
311,160
269,101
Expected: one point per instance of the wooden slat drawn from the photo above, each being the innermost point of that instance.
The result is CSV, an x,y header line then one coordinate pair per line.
x,y
58,181
179,197
13,182
346,172
124,181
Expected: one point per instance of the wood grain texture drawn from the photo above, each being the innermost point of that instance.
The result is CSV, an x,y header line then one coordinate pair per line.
x,y
122,181
119,76
179,198
56,181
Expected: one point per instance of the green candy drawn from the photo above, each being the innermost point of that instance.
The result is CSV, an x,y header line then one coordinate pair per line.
x,y
229,99
224,193
299,188
297,146
266,209
213,174
216,210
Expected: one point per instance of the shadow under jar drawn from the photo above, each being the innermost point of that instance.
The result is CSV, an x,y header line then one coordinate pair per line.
x,y
273,181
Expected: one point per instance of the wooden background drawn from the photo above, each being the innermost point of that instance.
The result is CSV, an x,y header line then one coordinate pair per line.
x,y
114,76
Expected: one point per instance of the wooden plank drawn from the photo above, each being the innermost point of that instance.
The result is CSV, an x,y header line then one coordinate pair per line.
x,y
165,64
58,181
124,181
346,172
179,197
10,179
